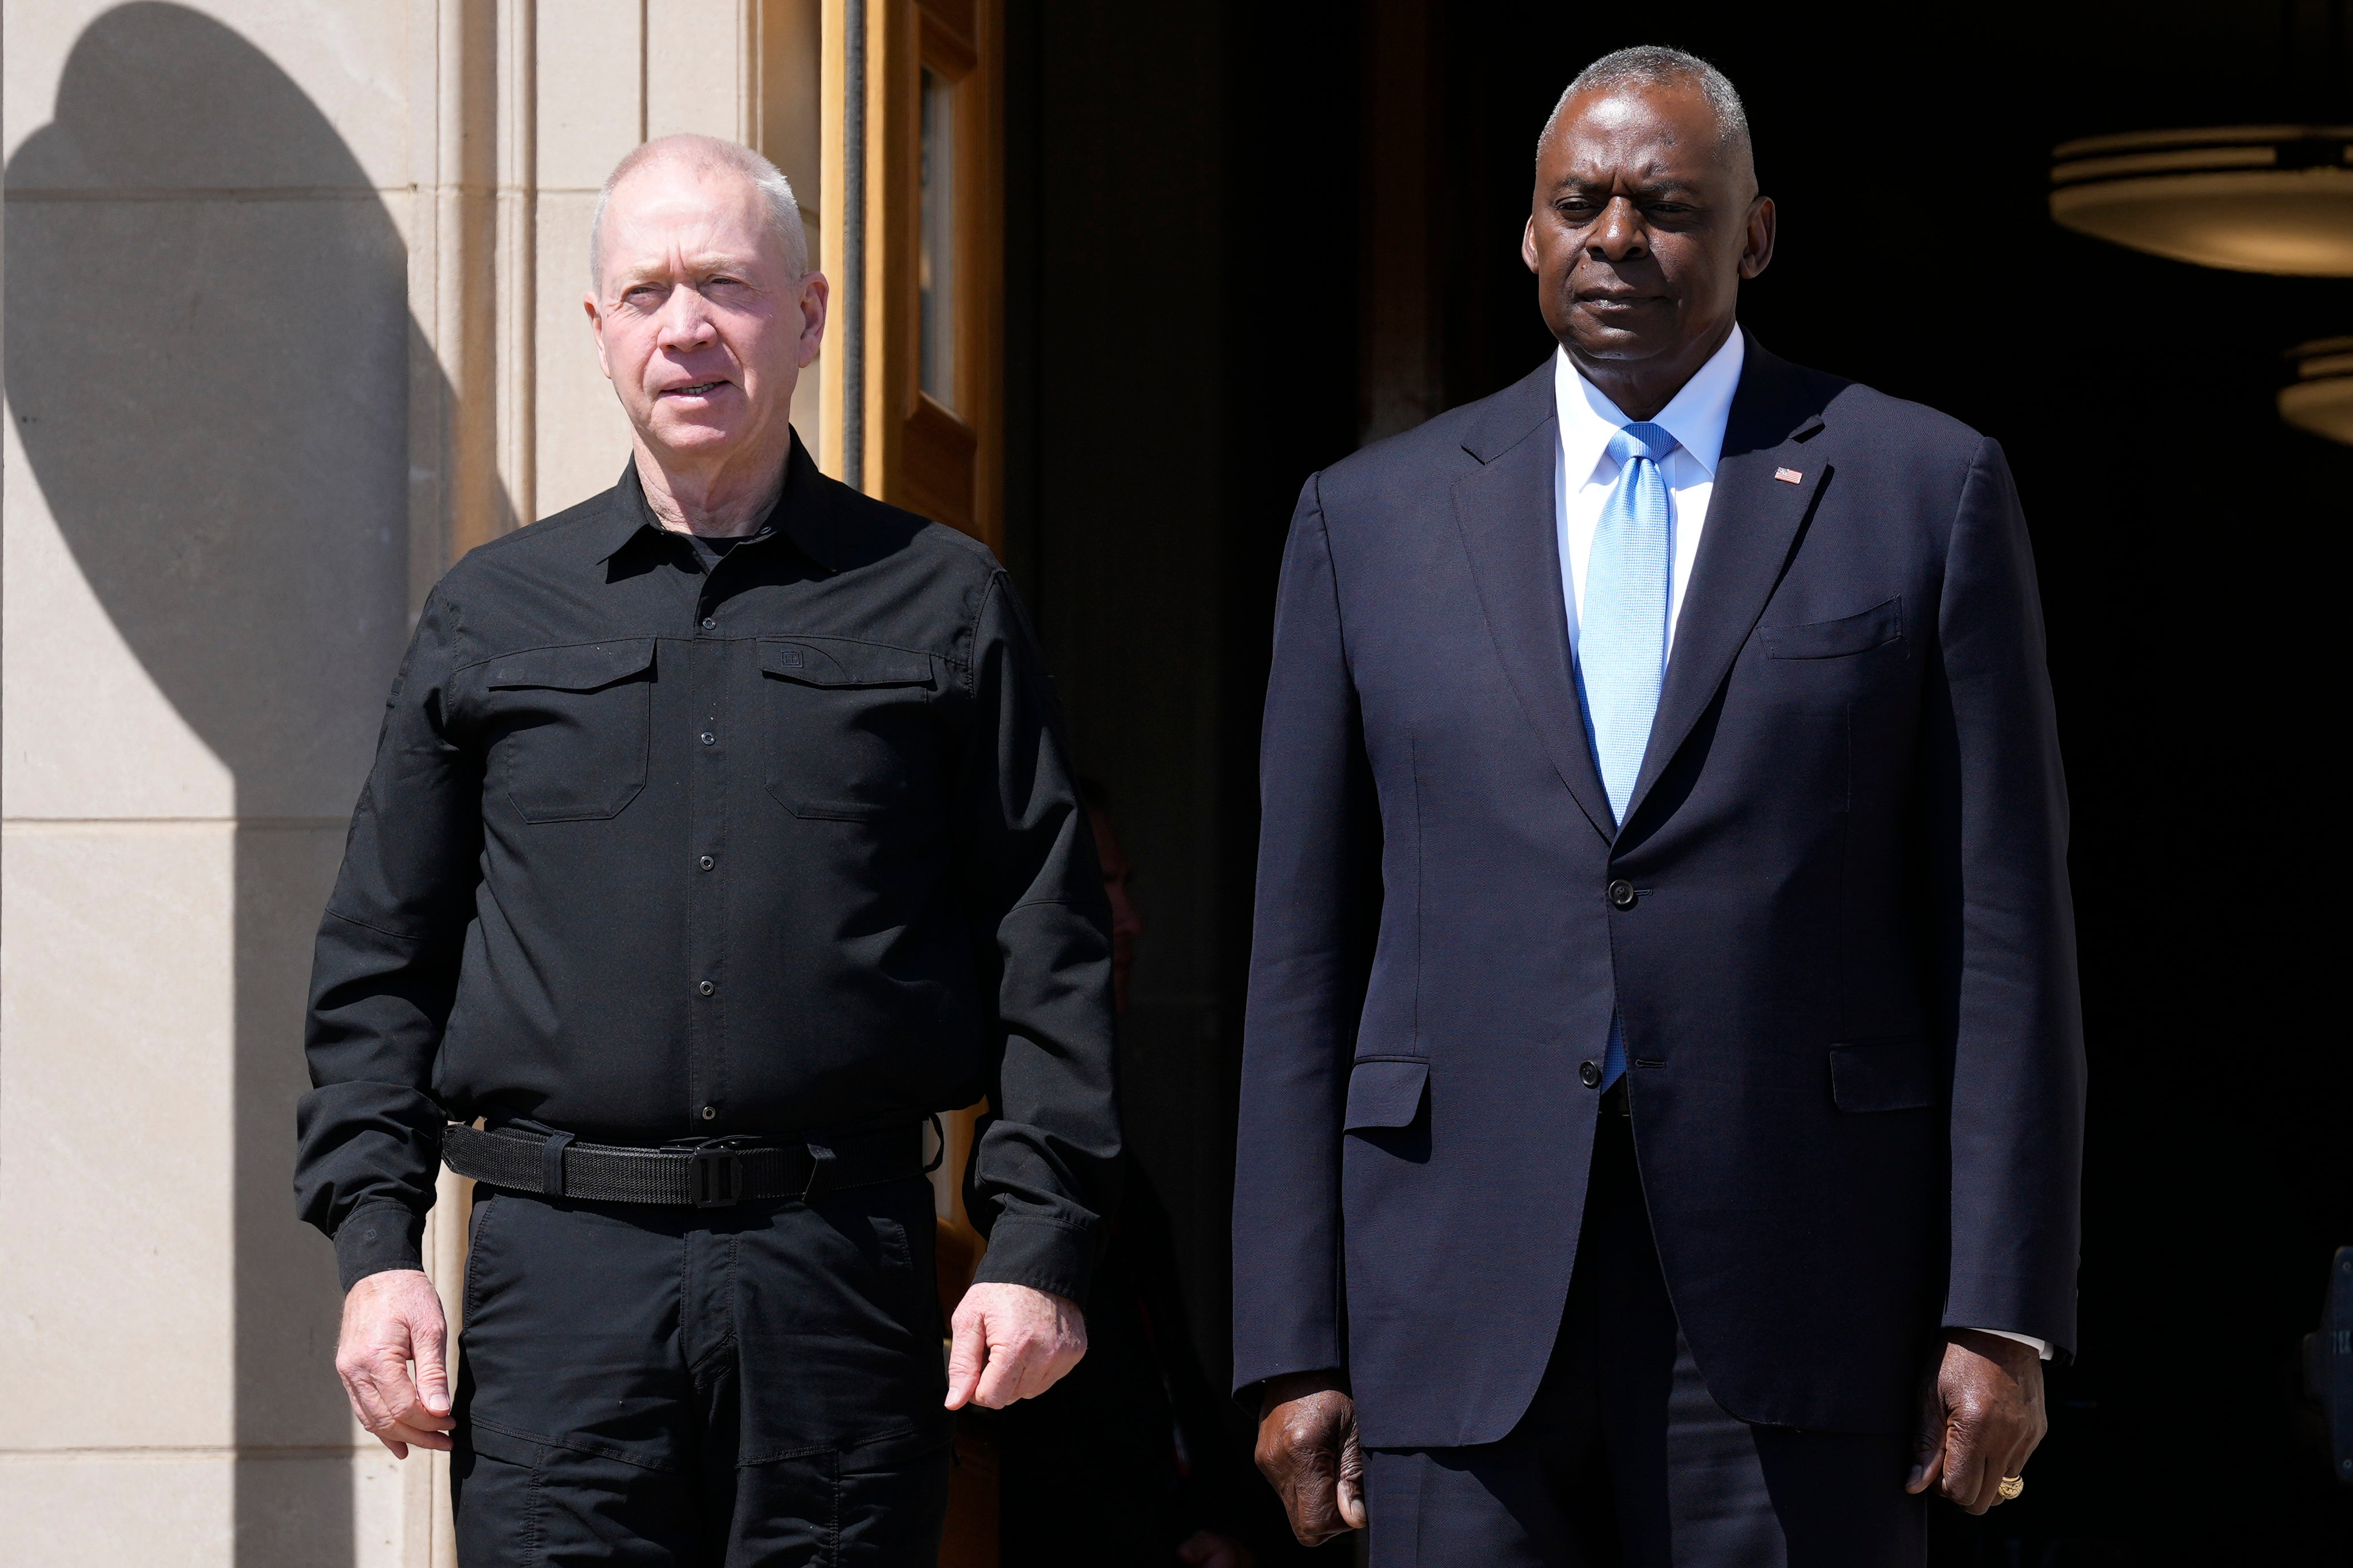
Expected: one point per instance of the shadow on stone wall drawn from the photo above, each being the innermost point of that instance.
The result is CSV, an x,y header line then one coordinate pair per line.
x,y
208,356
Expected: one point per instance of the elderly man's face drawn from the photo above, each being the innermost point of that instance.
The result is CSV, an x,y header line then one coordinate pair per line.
x,y
1644,222
700,321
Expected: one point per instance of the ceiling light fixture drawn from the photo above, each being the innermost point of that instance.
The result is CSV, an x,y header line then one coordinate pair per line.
x,y
2320,399
2250,198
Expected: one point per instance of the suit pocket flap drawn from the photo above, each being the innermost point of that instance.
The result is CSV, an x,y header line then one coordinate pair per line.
x,y
1883,1075
1831,639
837,662
1386,1092
582,666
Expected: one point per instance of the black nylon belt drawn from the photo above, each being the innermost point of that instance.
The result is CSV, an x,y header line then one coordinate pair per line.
x,y
713,1173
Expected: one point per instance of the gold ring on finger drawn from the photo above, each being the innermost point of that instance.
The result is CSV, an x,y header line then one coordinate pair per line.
x,y
2011,1486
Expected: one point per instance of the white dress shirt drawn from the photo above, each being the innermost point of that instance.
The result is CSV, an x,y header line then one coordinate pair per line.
x,y
1584,473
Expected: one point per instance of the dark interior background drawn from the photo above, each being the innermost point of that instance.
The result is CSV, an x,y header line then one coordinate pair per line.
x,y
1245,239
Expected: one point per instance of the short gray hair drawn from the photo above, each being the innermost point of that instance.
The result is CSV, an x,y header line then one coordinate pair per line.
x,y
704,154
1651,64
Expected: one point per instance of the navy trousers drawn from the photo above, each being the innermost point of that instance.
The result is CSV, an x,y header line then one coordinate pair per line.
x,y
716,1387
1624,1458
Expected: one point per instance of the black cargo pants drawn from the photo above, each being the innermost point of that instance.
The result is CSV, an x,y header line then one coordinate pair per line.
x,y
671,1386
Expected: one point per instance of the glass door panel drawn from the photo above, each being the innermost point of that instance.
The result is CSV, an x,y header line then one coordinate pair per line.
x,y
935,257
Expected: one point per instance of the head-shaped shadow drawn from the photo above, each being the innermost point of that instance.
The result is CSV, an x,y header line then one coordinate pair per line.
x,y
208,359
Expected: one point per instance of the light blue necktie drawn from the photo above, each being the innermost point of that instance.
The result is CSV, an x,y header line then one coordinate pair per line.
x,y
1622,647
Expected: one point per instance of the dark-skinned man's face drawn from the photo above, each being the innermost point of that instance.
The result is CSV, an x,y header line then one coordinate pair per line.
x,y
1643,224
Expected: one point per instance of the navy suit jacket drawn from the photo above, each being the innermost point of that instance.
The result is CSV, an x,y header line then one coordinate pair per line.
x,y
1847,968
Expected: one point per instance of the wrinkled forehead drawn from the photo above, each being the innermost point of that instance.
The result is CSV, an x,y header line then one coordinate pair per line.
x,y
1668,132
670,208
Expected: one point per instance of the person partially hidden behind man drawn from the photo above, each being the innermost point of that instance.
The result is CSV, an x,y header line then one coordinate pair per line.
x,y
1686,1170
721,829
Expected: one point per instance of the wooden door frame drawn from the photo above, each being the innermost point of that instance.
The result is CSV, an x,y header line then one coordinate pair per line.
x,y
871,160
911,451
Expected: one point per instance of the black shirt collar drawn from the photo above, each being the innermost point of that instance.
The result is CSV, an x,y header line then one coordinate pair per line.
x,y
804,512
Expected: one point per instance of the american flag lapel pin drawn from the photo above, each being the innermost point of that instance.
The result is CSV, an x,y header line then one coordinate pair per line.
x,y
1787,476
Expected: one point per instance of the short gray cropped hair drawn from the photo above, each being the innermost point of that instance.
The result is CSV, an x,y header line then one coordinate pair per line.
x,y
704,154
1651,64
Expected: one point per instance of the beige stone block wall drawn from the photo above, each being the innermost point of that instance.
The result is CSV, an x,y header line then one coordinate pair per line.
x,y
205,524
120,1021
177,1511
584,439
349,57
172,1509
291,314
591,109
88,732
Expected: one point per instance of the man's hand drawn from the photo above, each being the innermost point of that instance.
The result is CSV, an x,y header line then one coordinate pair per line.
x,y
1980,1415
1307,1447
1012,1342
389,1321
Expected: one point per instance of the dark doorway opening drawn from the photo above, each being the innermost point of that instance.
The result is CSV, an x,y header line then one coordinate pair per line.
x,y
1243,239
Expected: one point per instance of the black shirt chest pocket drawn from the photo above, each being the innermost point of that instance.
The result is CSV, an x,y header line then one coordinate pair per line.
x,y
851,737
572,725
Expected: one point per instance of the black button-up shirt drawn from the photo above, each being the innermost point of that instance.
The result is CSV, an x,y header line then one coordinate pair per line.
x,y
662,844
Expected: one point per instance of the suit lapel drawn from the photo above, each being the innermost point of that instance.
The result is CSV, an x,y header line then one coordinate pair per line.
x,y
1753,520
1504,510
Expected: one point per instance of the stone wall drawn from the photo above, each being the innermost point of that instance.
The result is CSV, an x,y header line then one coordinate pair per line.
x,y
291,318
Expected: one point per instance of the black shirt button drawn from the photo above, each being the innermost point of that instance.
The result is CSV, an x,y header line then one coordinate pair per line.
x,y
1589,1074
1621,892
711,1113
708,623
706,988
708,736
707,862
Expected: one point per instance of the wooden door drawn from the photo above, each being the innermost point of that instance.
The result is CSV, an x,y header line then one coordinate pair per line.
x,y
912,224
929,367
929,374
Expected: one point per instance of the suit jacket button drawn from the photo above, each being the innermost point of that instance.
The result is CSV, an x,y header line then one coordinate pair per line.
x,y
1621,893
1589,1074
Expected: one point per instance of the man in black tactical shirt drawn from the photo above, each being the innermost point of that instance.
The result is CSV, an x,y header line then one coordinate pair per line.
x,y
721,829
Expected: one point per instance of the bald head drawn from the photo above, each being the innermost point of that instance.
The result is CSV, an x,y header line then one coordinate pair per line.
x,y
704,313
706,157
1649,68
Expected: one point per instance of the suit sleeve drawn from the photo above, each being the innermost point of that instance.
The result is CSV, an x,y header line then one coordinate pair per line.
x,y
384,974
1044,1172
2000,816
1318,891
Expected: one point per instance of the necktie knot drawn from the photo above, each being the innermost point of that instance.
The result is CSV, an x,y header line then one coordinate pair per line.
x,y
1642,440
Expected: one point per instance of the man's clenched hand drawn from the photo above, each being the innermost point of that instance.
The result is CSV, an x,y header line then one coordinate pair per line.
x,y
1012,1342
1307,1447
1980,1415
390,1320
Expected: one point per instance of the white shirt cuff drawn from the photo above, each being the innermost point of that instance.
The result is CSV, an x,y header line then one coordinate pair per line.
x,y
2042,1347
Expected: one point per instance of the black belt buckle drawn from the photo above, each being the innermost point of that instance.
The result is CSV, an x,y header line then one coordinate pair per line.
x,y
715,1177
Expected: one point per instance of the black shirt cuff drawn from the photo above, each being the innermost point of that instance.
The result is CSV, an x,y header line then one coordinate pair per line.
x,y
1039,1254
376,1237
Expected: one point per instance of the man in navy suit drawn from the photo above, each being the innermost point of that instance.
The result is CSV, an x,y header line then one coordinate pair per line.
x,y
1662,1091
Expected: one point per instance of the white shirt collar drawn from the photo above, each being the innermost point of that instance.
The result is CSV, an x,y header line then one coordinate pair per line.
x,y
1695,416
